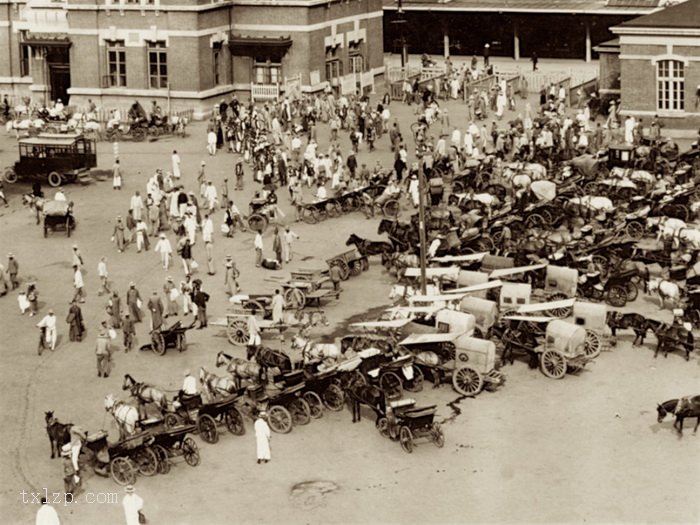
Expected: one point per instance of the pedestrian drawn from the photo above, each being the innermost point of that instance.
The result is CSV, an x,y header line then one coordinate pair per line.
x,y
335,277
133,507
211,142
12,270
200,299
287,241
258,243
239,175
171,295
47,515
262,438
165,250
119,234
33,298
136,206
175,159
76,327
254,338
78,284
134,303
103,352
224,193
277,244
77,257
116,175
231,276
114,309
185,251
534,59
155,306
103,275
186,292
487,55
277,305
129,332
70,485
141,236
211,196
208,238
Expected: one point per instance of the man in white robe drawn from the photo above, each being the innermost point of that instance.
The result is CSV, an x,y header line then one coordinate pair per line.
x,y
262,438
49,322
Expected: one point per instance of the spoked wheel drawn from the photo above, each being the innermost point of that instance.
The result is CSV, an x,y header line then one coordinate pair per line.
x,y
253,306
383,427
280,419
138,134
237,332
535,220
467,381
171,420
563,312
415,384
553,364
632,291
591,188
601,263
234,422
343,268
190,451
163,461
300,411
592,344
457,187
309,216
448,349
334,398
635,230
294,298
257,223
122,471
158,343
356,268
333,209
438,435
315,404
391,208
146,461
207,428
406,439
617,296
390,382
364,262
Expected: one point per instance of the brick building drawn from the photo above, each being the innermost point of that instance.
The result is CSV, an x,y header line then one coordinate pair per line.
x,y
659,61
185,53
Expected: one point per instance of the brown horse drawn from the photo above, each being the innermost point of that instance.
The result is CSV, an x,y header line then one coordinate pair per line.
x,y
682,408
59,433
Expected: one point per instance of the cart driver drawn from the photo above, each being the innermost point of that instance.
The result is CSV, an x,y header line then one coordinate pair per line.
x,y
189,386
392,190
60,196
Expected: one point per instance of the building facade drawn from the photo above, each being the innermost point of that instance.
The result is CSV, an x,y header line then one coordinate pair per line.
x,y
660,65
185,53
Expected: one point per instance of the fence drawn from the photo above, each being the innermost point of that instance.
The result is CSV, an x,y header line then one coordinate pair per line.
x,y
587,88
264,92
479,85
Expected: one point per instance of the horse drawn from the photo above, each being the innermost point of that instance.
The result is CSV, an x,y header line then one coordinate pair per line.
x,y
667,290
681,408
402,236
269,358
359,393
217,386
367,247
241,369
637,322
326,354
59,433
126,416
675,337
145,393
400,261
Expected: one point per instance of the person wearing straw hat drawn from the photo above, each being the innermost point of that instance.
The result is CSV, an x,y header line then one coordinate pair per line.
x,y
262,437
133,506
70,483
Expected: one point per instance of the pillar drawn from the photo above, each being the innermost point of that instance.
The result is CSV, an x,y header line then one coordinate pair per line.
x,y
588,42
516,41
445,45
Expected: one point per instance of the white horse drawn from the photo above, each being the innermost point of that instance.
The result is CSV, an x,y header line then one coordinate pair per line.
x,y
668,226
690,236
325,354
667,290
126,416
216,386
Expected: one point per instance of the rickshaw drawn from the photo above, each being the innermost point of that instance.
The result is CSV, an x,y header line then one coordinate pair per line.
x,y
592,317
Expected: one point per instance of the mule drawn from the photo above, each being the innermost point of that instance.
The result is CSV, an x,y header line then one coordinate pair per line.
x,y
367,247
144,394
126,416
217,386
59,433
685,407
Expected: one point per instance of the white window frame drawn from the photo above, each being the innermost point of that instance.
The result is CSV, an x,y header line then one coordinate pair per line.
x,y
670,85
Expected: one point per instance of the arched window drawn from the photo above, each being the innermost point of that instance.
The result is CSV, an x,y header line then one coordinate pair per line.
x,y
670,81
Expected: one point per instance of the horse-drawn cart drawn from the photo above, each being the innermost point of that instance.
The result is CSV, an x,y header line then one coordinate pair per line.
x,y
58,215
173,337
349,263
192,410
406,422
592,317
174,442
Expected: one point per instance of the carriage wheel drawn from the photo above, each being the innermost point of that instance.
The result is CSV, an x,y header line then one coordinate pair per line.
x,y
163,462
635,230
391,208
534,220
333,398
309,216
592,344
457,187
280,419
383,427
497,237
190,451
237,332
234,421
11,176
171,420
448,348
591,188
343,267
438,435
415,384
315,404
122,471
254,306
484,244
406,439
601,263
356,268
333,209
146,461
364,263
207,428
257,223
390,383
561,313
138,134
632,291
158,343
347,204
321,214
294,298
300,411
54,179
553,364
547,215
617,296
467,381
357,379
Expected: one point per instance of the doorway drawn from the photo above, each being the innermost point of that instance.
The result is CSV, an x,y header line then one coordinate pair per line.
x,y
58,62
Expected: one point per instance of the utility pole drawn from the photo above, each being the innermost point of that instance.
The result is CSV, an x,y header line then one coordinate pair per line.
x,y
421,224
401,21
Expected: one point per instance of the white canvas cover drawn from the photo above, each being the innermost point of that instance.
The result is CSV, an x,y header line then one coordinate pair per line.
x,y
544,190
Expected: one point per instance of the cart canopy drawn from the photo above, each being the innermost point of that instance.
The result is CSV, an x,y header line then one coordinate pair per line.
x,y
566,338
56,208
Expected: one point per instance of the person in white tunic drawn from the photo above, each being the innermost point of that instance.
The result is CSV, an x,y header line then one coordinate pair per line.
x,y
176,165
165,249
277,307
49,322
47,515
136,206
211,195
413,190
262,438
132,504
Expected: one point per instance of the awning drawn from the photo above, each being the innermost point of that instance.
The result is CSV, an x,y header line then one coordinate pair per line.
x,y
273,48
476,287
46,40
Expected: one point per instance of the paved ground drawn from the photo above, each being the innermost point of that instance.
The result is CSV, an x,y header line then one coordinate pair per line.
x,y
586,448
